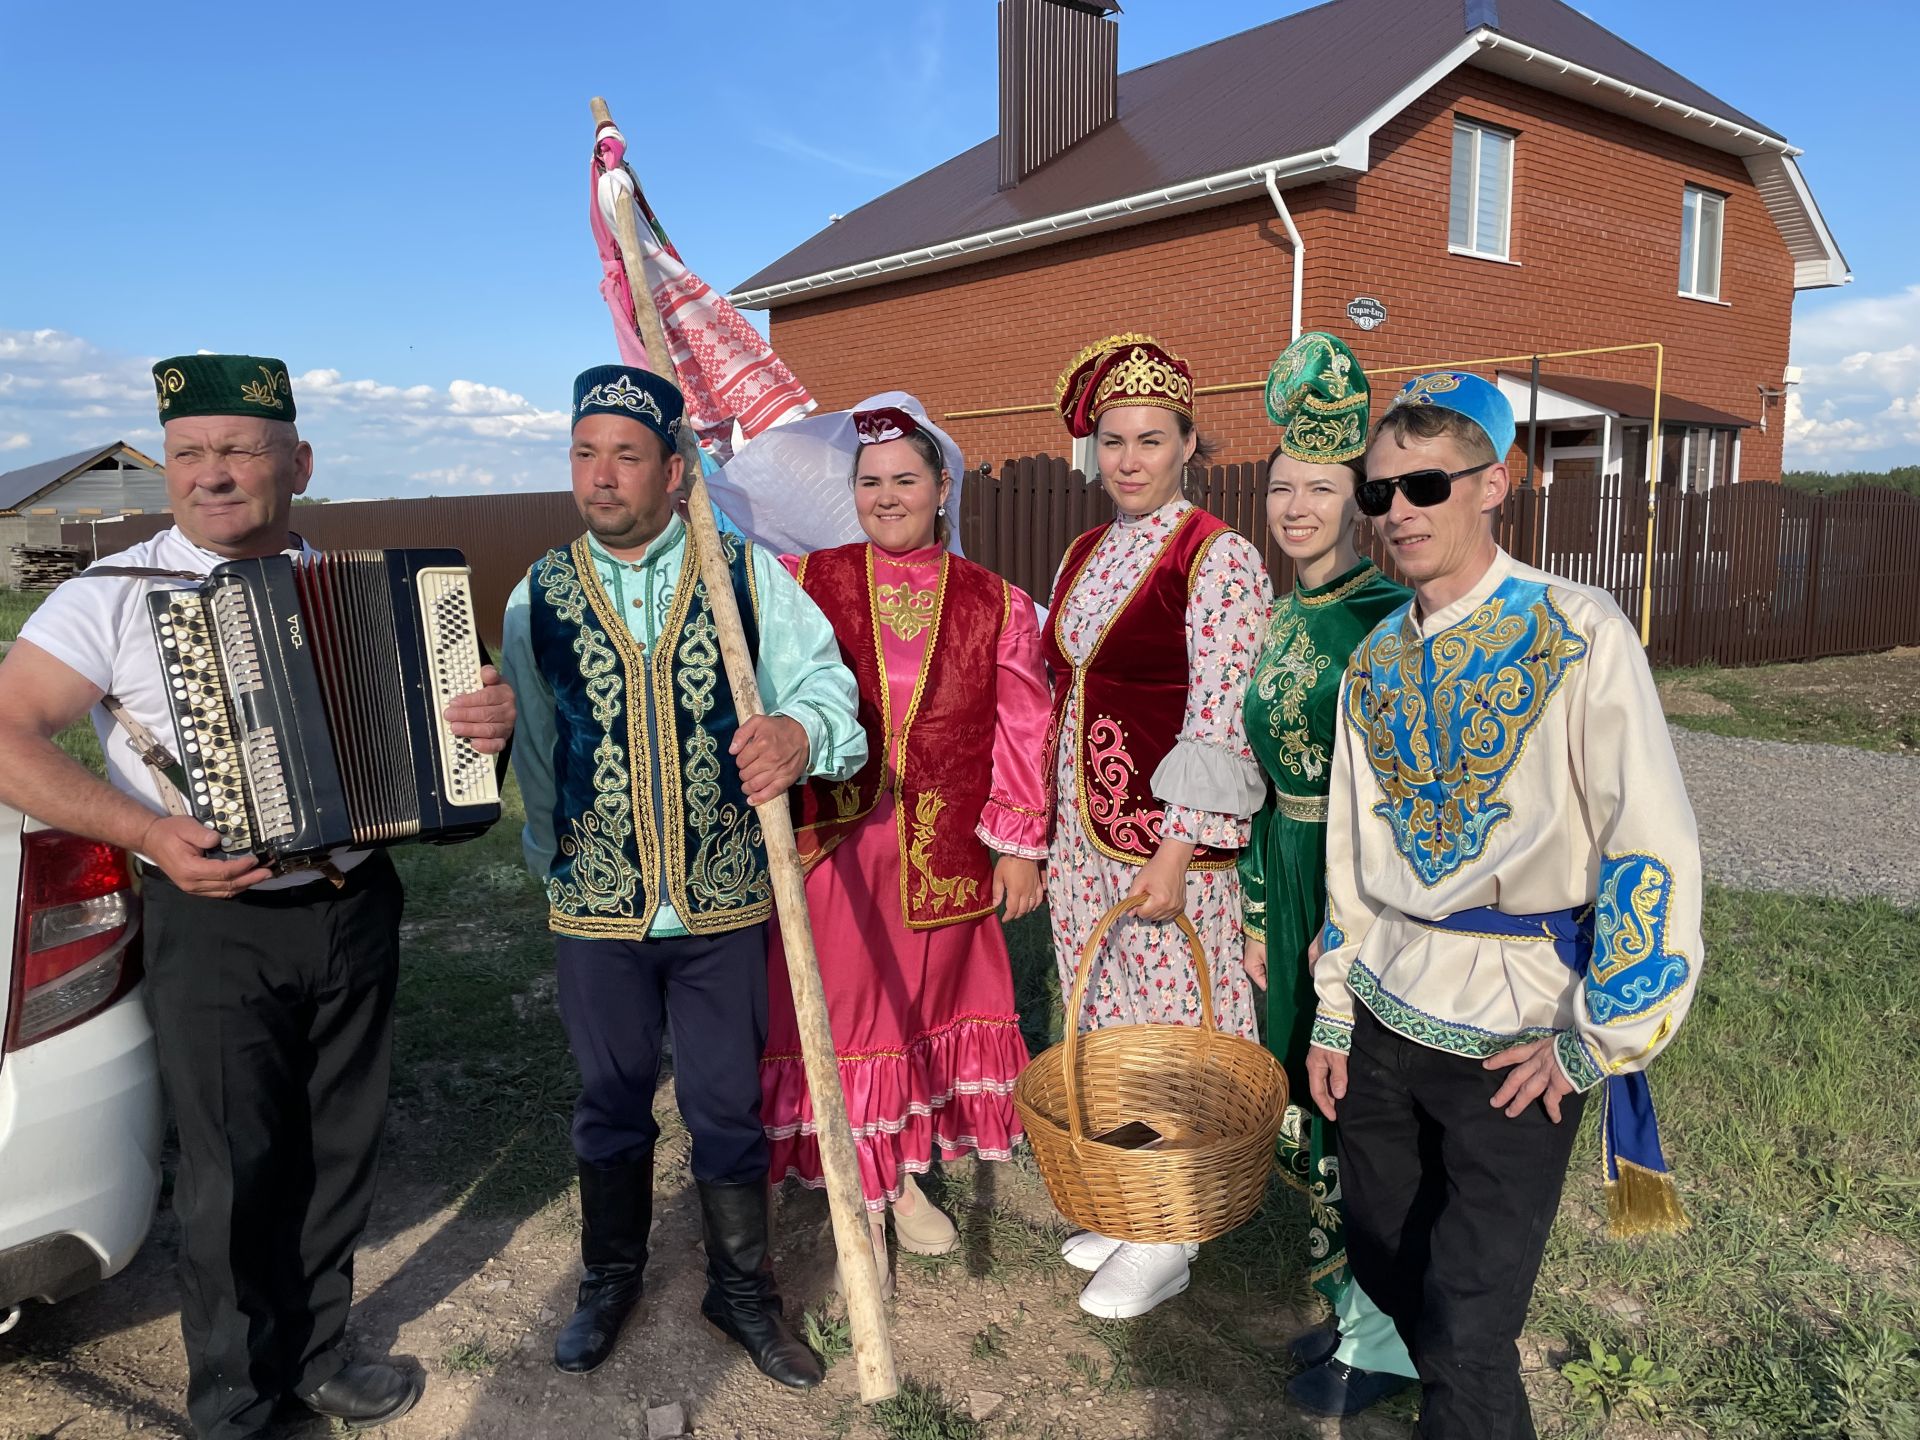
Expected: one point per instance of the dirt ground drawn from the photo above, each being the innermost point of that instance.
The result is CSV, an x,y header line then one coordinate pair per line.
x,y
1863,699
474,1303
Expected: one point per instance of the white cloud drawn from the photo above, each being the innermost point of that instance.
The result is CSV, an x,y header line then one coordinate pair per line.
x,y
1858,403
468,436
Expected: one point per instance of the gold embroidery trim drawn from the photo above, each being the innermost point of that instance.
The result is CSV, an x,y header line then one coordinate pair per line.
x,y
1079,700
1334,597
898,739
1307,809
614,626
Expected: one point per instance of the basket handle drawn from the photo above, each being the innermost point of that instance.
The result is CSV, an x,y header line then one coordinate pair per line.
x,y
1076,1122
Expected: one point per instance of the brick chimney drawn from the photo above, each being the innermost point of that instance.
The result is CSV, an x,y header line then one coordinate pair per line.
x,y
1059,78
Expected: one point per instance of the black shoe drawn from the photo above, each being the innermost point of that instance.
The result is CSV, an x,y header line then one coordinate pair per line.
x,y
1314,1347
741,1300
363,1396
1335,1388
616,1210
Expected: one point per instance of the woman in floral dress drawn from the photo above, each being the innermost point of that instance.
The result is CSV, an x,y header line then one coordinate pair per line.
x,y
1318,392
1151,637
908,860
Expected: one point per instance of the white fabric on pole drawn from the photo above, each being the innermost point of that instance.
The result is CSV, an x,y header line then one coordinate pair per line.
x,y
790,487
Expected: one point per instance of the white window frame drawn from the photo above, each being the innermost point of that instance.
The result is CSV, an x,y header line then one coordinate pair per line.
x,y
1476,129
1693,212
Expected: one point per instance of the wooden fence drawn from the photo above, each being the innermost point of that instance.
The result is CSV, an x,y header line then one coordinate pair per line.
x,y
1742,574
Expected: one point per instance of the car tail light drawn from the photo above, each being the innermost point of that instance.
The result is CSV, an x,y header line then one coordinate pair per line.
x,y
71,952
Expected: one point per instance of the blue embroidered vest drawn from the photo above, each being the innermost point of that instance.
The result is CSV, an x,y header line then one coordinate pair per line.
x,y
646,798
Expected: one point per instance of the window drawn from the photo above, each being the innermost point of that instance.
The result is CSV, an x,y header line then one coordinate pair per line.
x,y
1482,190
1701,215
1696,457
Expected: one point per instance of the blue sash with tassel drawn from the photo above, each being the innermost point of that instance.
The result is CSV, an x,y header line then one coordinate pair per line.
x,y
1641,1198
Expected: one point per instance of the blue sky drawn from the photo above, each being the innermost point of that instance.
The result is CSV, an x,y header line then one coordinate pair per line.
x,y
392,197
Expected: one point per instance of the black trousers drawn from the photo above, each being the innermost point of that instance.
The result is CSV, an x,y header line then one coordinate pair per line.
x,y
1448,1207
274,1015
616,996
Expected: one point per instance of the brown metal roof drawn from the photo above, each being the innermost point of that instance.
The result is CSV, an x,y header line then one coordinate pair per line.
x,y
1633,402
1292,86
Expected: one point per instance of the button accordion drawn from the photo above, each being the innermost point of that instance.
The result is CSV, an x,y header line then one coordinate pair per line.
x,y
307,697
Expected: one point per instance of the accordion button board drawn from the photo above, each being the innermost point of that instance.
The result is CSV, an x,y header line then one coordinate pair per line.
x,y
308,698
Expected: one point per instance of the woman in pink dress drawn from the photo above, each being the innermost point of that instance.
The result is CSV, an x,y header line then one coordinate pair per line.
x,y
903,879
1156,624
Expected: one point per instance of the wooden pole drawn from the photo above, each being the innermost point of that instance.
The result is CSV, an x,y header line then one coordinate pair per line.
x,y
866,1310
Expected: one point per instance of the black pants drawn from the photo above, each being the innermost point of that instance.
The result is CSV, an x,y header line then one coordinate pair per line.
x,y
274,1014
615,997
1448,1207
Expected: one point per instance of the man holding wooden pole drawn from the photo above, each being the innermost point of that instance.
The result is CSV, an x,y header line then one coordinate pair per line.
x,y
640,775
866,1314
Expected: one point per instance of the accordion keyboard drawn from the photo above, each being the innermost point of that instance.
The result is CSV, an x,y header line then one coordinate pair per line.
x,y
213,760
453,662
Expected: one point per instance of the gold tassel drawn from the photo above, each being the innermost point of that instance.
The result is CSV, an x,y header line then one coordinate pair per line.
x,y
1643,1202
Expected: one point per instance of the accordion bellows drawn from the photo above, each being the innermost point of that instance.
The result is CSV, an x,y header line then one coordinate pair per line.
x,y
307,696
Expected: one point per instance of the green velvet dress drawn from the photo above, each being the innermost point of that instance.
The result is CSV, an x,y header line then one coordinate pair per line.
x,y
1291,707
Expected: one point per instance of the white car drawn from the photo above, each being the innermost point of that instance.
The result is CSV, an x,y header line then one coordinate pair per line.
x,y
80,1121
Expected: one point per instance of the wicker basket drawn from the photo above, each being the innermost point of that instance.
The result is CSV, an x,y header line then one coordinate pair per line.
x,y
1218,1100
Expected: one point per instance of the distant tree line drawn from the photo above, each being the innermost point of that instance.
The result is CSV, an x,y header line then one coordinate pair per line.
x,y
1901,477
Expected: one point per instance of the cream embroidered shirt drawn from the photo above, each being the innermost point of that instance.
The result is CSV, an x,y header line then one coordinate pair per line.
x,y
1509,751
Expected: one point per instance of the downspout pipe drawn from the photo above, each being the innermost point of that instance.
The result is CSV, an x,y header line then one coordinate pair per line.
x,y
1272,178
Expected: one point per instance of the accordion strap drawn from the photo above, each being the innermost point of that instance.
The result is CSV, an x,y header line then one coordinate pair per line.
x,y
136,572
169,776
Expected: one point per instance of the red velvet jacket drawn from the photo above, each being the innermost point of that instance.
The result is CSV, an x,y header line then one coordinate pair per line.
x,y
946,765
1133,695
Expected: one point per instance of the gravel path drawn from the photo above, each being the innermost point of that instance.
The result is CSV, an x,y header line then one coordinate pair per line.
x,y
1817,819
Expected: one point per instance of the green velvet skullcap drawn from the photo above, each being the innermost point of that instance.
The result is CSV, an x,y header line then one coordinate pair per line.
x,y
255,385
1318,391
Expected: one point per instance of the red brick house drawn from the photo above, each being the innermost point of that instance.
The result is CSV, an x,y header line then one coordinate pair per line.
x,y
1432,180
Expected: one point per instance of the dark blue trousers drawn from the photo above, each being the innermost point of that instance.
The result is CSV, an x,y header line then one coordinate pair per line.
x,y
616,997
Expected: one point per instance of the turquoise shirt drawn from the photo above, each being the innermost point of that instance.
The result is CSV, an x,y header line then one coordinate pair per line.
x,y
801,677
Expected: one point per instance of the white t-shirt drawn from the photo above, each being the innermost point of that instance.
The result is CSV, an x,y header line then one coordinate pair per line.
x,y
101,629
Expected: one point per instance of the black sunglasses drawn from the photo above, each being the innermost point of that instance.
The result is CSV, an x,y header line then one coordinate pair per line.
x,y
1421,487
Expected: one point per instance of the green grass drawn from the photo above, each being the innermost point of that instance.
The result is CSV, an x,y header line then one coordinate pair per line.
x,y
15,607
922,1412
470,1357
482,1077
1766,704
1789,1110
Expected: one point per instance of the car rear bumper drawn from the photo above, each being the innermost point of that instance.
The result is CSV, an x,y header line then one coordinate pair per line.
x,y
80,1132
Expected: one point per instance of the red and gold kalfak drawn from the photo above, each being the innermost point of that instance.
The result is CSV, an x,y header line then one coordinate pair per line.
x,y
1120,370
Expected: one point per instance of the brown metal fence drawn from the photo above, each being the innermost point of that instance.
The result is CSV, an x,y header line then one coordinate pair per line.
x,y
501,535
1742,574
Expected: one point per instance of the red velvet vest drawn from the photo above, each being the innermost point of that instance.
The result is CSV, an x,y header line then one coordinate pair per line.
x,y
1133,695
946,763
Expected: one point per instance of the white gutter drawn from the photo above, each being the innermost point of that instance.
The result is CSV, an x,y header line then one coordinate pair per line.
x,y
1299,247
1224,183
1493,40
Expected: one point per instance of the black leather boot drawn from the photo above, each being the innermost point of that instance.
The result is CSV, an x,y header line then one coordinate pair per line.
x,y
616,1210
741,1299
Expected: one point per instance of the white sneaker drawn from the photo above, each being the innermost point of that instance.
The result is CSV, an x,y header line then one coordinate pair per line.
x,y
1135,1278
1088,1250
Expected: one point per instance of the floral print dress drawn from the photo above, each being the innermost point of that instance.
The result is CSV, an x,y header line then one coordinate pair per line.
x,y
1144,973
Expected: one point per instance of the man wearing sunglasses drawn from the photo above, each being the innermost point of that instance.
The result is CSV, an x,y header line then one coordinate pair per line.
x,y
1513,912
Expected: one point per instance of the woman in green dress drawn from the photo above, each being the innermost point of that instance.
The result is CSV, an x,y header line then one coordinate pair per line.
x,y
1318,393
